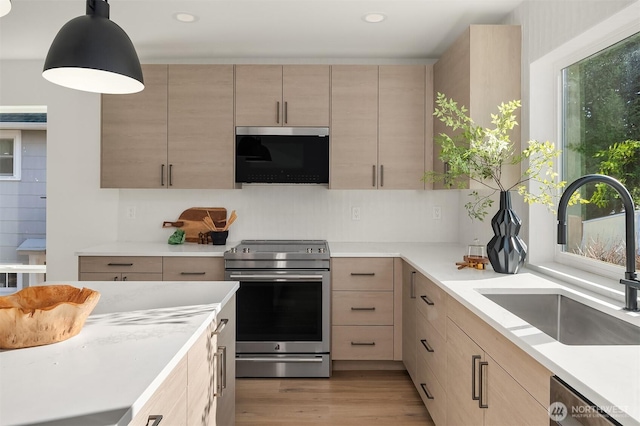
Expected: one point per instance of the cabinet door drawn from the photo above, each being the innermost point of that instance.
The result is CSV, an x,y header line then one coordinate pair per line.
x,y
169,400
409,319
202,379
509,404
305,93
401,142
200,126
226,403
462,372
354,127
259,95
134,135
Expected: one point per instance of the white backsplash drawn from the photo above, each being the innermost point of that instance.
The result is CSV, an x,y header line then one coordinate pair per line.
x,y
298,212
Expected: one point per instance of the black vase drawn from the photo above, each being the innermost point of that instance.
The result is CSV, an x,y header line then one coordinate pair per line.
x,y
506,250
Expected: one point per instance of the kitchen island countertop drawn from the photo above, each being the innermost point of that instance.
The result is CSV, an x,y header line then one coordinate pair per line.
x,y
136,335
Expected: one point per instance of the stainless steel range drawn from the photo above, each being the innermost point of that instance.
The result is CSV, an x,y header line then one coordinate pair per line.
x,y
283,325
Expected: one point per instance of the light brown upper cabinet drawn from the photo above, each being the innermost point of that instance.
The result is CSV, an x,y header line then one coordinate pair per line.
x,y
201,133
176,133
276,95
401,118
134,134
480,70
378,126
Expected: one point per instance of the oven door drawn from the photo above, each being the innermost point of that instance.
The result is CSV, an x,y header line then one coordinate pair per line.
x,y
282,312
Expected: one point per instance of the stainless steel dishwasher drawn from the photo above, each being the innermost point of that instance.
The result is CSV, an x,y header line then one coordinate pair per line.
x,y
569,408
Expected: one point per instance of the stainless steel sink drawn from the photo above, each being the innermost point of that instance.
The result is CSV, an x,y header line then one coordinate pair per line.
x,y
568,321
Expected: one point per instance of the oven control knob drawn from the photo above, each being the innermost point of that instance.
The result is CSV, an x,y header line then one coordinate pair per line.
x,y
233,250
309,250
321,250
245,250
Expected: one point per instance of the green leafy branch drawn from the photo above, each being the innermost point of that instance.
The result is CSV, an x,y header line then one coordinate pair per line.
x,y
477,153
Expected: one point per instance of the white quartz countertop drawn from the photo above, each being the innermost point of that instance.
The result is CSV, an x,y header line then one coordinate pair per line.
x,y
133,339
607,375
156,249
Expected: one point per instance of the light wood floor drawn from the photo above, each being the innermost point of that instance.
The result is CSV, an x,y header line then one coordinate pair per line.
x,y
347,398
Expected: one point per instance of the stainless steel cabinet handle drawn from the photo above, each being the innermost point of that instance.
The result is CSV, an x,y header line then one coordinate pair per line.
x,y
124,278
381,175
119,264
363,274
115,278
221,325
224,366
157,418
374,176
427,300
483,379
286,112
220,380
162,175
192,273
413,284
426,345
473,378
277,112
363,343
170,174
363,309
279,359
426,391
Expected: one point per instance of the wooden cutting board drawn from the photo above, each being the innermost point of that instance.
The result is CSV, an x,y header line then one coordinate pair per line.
x,y
190,221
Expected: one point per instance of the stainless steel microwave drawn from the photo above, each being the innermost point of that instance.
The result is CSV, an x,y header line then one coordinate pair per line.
x,y
282,155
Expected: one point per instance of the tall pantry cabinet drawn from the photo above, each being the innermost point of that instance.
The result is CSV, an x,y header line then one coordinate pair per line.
x,y
480,70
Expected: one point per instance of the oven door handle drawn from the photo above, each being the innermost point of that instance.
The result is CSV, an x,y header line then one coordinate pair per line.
x,y
279,359
275,277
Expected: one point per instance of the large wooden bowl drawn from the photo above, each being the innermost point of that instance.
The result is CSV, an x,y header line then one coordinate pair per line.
x,y
43,315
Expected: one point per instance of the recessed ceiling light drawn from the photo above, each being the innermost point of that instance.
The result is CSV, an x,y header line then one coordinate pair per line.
x,y
185,17
374,18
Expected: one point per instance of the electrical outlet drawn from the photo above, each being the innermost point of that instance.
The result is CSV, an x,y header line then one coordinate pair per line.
x,y
437,213
131,212
355,213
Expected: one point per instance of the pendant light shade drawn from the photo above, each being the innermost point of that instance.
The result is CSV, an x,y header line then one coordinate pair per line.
x,y
94,54
5,7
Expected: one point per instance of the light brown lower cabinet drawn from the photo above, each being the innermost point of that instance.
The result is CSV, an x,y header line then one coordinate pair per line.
x,y
201,388
169,402
490,381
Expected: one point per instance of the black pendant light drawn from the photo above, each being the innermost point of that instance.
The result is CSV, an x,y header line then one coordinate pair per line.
x,y
94,54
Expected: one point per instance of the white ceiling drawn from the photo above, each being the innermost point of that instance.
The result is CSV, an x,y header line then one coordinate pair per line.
x,y
414,29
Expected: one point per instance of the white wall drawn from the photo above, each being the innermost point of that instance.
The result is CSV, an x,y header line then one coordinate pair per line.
x,y
79,214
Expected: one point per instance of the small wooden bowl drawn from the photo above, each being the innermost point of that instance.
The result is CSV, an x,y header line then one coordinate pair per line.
x,y
43,315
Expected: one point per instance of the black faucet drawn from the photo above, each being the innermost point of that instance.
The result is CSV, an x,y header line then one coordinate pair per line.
x,y
630,279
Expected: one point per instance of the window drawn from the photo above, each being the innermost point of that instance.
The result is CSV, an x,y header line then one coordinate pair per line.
x,y
601,134
10,154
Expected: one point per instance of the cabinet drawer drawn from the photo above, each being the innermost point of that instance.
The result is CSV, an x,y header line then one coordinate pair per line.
x,y
362,273
192,269
432,393
362,342
169,400
362,308
148,264
433,348
432,303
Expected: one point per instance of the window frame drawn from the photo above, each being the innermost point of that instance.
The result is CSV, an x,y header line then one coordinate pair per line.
x,y
546,87
16,135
